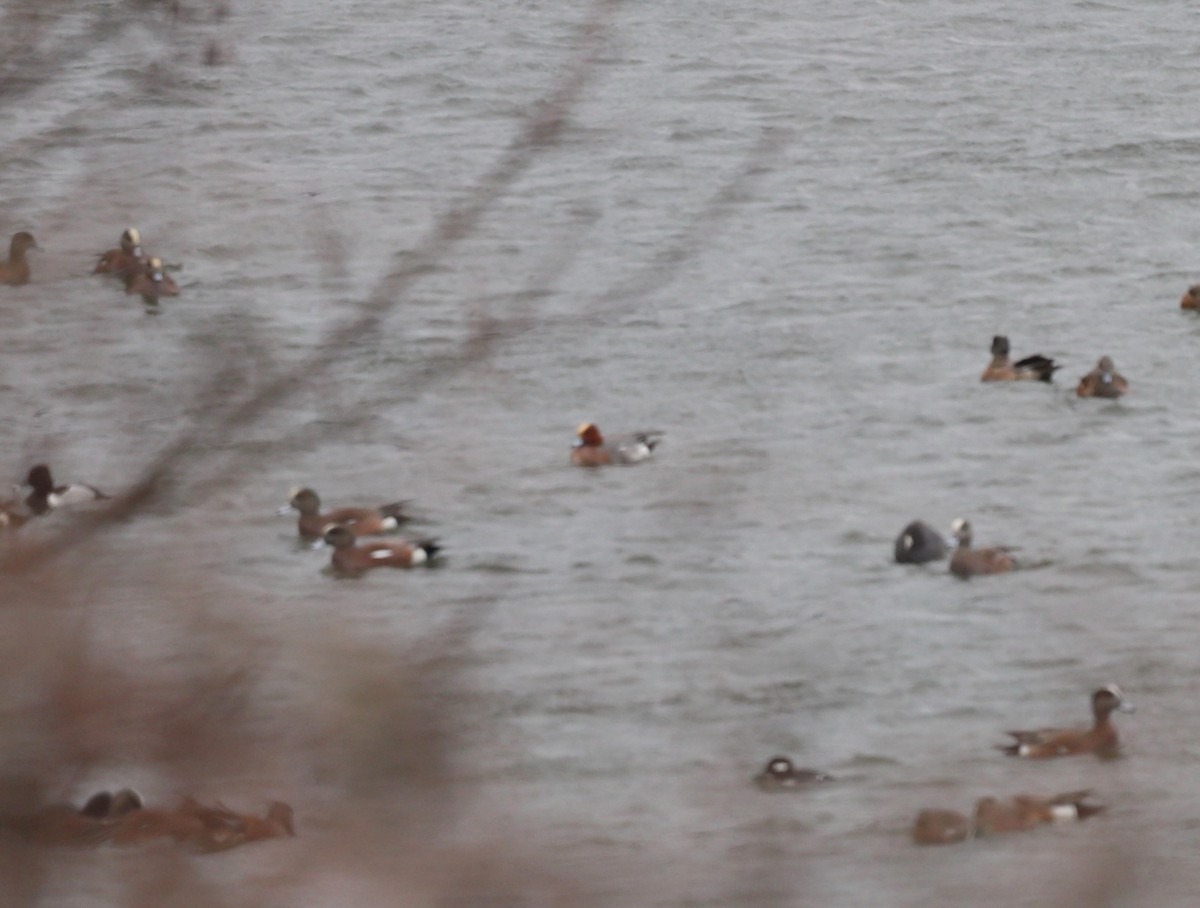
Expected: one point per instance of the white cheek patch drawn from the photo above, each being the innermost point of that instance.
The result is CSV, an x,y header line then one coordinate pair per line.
x,y
908,541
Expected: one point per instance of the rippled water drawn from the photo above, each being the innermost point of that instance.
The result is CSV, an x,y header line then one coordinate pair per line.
x,y
805,316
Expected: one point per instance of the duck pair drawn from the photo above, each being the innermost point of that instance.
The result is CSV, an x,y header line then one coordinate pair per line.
x,y
14,270
1103,381
995,817
919,543
591,449
341,527
142,275
123,819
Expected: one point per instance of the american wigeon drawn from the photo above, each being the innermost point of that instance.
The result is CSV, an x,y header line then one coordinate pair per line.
x,y
919,543
1031,368
780,774
1103,381
1100,739
1190,298
200,827
967,562
226,829
940,827
124,261
1024,812
46,496
15,270
151,281
591,450
363,521
349,558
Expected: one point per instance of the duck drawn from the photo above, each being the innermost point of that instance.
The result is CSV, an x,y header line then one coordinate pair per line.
x,y
1031,368
1190,298
1103,381
591,450
941,827
151,281
919,543
226,829
1025,812
15,271
124,261
1100,739
780,774
46,496
967,562
363,521
349,558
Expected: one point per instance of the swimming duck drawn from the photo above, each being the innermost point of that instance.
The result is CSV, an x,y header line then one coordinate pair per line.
x,y
1031,368
941,827
46,496
1025,812
966,562
919,543
591,450
226,829
1103,381
15,270
349,558
1100,739
124,261
781,774
151,281
1190,298
363,521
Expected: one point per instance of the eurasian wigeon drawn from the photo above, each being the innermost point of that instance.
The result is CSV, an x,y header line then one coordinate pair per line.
x,y
780,774
46,496
363,521
591,450
919,543
15,270
1100,739
1103,381
124,261
349,558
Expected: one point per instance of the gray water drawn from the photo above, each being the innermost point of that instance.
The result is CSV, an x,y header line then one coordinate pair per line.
x,y
782,233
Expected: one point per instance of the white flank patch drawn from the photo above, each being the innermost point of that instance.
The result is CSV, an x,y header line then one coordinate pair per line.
x,y
1064,812
1024,750
382,553
389,523
419,556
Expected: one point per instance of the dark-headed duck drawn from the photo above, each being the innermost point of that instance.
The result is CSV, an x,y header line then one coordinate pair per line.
x,y
46,496
1190,298
591,450
966,562
15,270
780,774
1024,812
349,558
124,261
151,281
940,827
1031,368
363,521
1100,739
919,543
1103,381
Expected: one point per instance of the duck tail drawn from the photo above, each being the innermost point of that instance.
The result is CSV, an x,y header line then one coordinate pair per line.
x,y
429,549
1009,750
394,513
1043,366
